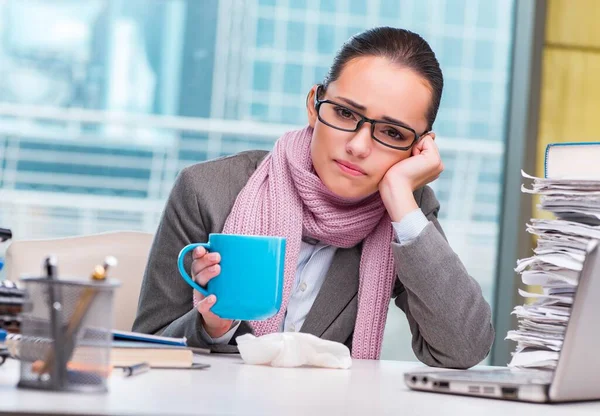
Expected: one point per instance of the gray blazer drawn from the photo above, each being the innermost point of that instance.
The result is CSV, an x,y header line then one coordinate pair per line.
x,y
449,319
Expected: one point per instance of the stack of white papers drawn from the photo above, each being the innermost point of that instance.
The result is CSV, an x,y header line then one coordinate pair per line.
x,y
555,266
576,200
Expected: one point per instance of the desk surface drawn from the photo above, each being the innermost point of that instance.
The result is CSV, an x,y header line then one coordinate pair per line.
x,y
232,387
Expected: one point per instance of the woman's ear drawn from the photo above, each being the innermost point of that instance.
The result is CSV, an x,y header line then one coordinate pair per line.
x,y
310,106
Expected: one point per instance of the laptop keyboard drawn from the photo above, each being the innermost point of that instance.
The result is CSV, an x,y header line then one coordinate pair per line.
x,y
519,377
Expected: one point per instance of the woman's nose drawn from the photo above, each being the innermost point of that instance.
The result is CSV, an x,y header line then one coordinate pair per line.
x,y
360,143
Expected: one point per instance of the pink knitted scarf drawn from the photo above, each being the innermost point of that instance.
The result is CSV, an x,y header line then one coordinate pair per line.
x,y
285,197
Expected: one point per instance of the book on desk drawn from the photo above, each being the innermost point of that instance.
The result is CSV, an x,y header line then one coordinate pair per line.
x,y
127,353
572,160
129,348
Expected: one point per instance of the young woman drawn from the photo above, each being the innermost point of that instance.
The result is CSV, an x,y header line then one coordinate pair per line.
x,y
349,193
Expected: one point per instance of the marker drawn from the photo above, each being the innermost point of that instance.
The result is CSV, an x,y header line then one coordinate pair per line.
x,y
136,369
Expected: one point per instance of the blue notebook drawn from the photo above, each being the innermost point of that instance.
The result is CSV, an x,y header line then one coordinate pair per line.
x,y
155,339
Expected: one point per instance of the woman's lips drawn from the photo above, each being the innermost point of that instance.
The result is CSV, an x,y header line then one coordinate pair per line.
x,y
349,168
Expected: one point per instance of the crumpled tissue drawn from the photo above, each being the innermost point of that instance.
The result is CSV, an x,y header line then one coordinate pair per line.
x,y
293,349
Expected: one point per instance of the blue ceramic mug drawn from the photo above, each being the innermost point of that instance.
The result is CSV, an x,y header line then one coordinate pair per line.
x,y
250,285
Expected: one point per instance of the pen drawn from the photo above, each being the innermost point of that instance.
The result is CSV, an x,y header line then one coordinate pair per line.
x,y
57,352
136,369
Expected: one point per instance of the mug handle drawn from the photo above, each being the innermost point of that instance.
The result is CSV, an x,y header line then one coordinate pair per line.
x,y
182,270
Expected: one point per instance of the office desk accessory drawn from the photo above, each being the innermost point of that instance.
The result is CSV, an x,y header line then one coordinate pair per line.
x,y
135,369
99,274
140,337
60,316
11,304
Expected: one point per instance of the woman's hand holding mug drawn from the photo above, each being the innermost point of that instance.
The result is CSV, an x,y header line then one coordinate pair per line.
x,y
235,277
205,266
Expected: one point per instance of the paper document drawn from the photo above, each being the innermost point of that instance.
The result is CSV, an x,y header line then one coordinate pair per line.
x,y
555,266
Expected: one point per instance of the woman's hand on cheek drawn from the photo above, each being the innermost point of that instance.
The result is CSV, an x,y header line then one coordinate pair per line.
x,y
424,166
401,180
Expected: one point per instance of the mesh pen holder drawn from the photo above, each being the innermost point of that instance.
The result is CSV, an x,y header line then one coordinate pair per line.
x,y
66,334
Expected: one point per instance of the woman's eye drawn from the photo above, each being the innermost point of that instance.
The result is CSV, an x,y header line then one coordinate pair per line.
x,y
344,113
394,134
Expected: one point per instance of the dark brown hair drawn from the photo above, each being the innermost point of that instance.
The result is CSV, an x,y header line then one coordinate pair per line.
x,y
401,47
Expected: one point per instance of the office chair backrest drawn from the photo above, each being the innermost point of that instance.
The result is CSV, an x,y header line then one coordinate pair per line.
x,y
78,255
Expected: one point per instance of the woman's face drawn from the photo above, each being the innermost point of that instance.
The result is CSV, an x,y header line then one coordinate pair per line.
x,y
351,164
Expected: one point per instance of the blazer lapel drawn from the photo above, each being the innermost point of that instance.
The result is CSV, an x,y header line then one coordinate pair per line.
x,y
338,289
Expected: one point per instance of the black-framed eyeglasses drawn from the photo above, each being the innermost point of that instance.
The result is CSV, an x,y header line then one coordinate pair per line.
x,y
395,135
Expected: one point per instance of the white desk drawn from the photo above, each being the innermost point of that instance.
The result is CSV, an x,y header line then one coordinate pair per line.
x,y
231,387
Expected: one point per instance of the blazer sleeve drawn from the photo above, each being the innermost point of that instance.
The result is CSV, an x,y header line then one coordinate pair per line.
x,y
449,319
165,304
